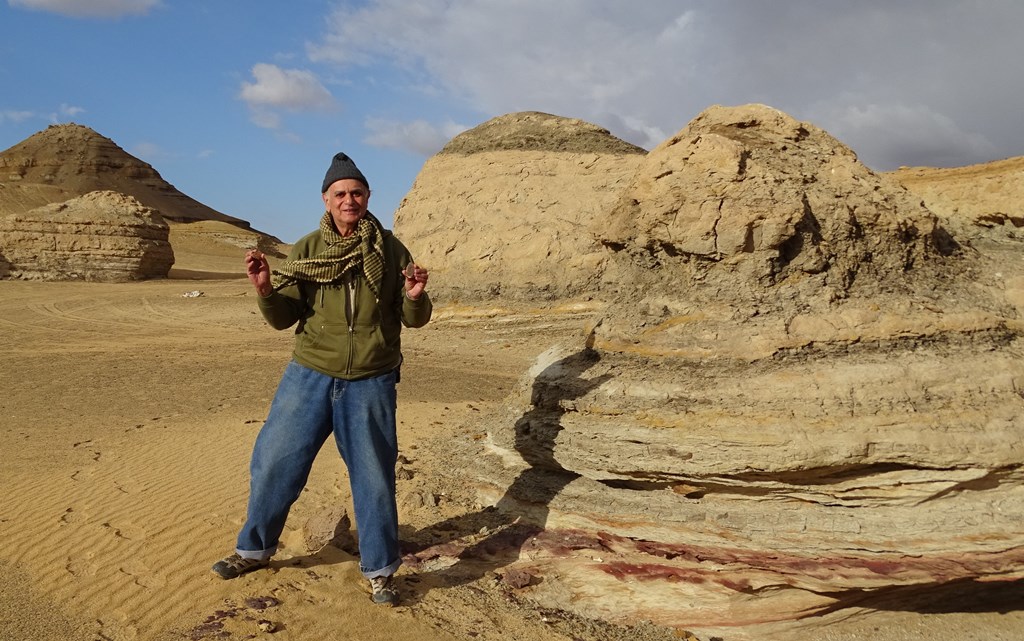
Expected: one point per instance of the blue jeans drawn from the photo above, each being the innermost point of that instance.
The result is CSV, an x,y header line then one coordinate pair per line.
x,y
307,408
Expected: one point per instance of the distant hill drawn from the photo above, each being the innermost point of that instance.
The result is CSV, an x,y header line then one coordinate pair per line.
x,y
66,161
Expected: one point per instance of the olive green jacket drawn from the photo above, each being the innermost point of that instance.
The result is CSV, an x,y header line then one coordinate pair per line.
x,y
343,330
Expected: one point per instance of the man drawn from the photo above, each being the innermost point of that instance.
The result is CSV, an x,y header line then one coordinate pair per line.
x,y
350,287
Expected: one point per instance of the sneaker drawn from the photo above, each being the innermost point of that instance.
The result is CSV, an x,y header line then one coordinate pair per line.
x,y
233,566
383,590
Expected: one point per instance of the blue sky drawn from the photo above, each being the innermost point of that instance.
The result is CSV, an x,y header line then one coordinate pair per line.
x,y
242,104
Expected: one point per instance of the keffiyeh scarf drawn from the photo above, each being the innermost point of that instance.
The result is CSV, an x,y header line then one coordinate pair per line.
x,y
363,250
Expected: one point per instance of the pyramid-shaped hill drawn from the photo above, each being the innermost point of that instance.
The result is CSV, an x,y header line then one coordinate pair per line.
x,y
69,160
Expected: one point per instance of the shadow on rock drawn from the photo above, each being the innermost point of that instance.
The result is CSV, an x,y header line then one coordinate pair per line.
x,y
483,542
961,596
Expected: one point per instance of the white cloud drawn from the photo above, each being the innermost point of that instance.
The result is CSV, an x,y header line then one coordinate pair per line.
x,y
70,110
418,136
148,151
265,118
946,73
89,8
275,89
581,59
293,89
10,115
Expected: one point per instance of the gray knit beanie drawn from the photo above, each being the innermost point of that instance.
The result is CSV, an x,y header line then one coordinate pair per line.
x,y
342,167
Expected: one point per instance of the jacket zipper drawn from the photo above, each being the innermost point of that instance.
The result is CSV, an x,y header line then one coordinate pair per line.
x,y
350,311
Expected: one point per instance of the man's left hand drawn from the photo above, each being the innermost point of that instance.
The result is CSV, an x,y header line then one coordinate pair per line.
x,y
415,280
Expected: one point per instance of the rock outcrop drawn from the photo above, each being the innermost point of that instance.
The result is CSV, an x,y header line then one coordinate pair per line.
x,y
972,200
801,396
101,236
512,208
771,200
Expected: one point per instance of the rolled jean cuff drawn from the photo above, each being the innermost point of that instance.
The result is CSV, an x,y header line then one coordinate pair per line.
x,y
388,571
259,555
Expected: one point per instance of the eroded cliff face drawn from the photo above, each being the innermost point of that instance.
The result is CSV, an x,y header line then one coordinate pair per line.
x,y
802,394
101,236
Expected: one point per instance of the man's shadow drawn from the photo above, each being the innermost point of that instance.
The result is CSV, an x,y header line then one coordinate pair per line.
x,y
522,512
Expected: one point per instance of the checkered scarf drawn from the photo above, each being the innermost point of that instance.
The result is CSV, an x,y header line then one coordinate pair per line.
x,y
362,250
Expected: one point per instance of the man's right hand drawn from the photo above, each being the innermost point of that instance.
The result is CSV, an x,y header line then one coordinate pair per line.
x,y
258,270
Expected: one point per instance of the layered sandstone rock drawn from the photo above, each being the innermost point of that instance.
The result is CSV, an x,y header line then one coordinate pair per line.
x,y
101,236
802,396
512,208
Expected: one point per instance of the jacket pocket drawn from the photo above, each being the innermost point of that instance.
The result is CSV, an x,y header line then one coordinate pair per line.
x,y
370,351
326,346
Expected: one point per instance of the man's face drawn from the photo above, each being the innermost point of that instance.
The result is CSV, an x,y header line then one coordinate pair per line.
x,y
346,200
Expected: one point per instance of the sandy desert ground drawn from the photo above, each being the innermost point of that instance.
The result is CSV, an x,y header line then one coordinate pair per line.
x,y
127,415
